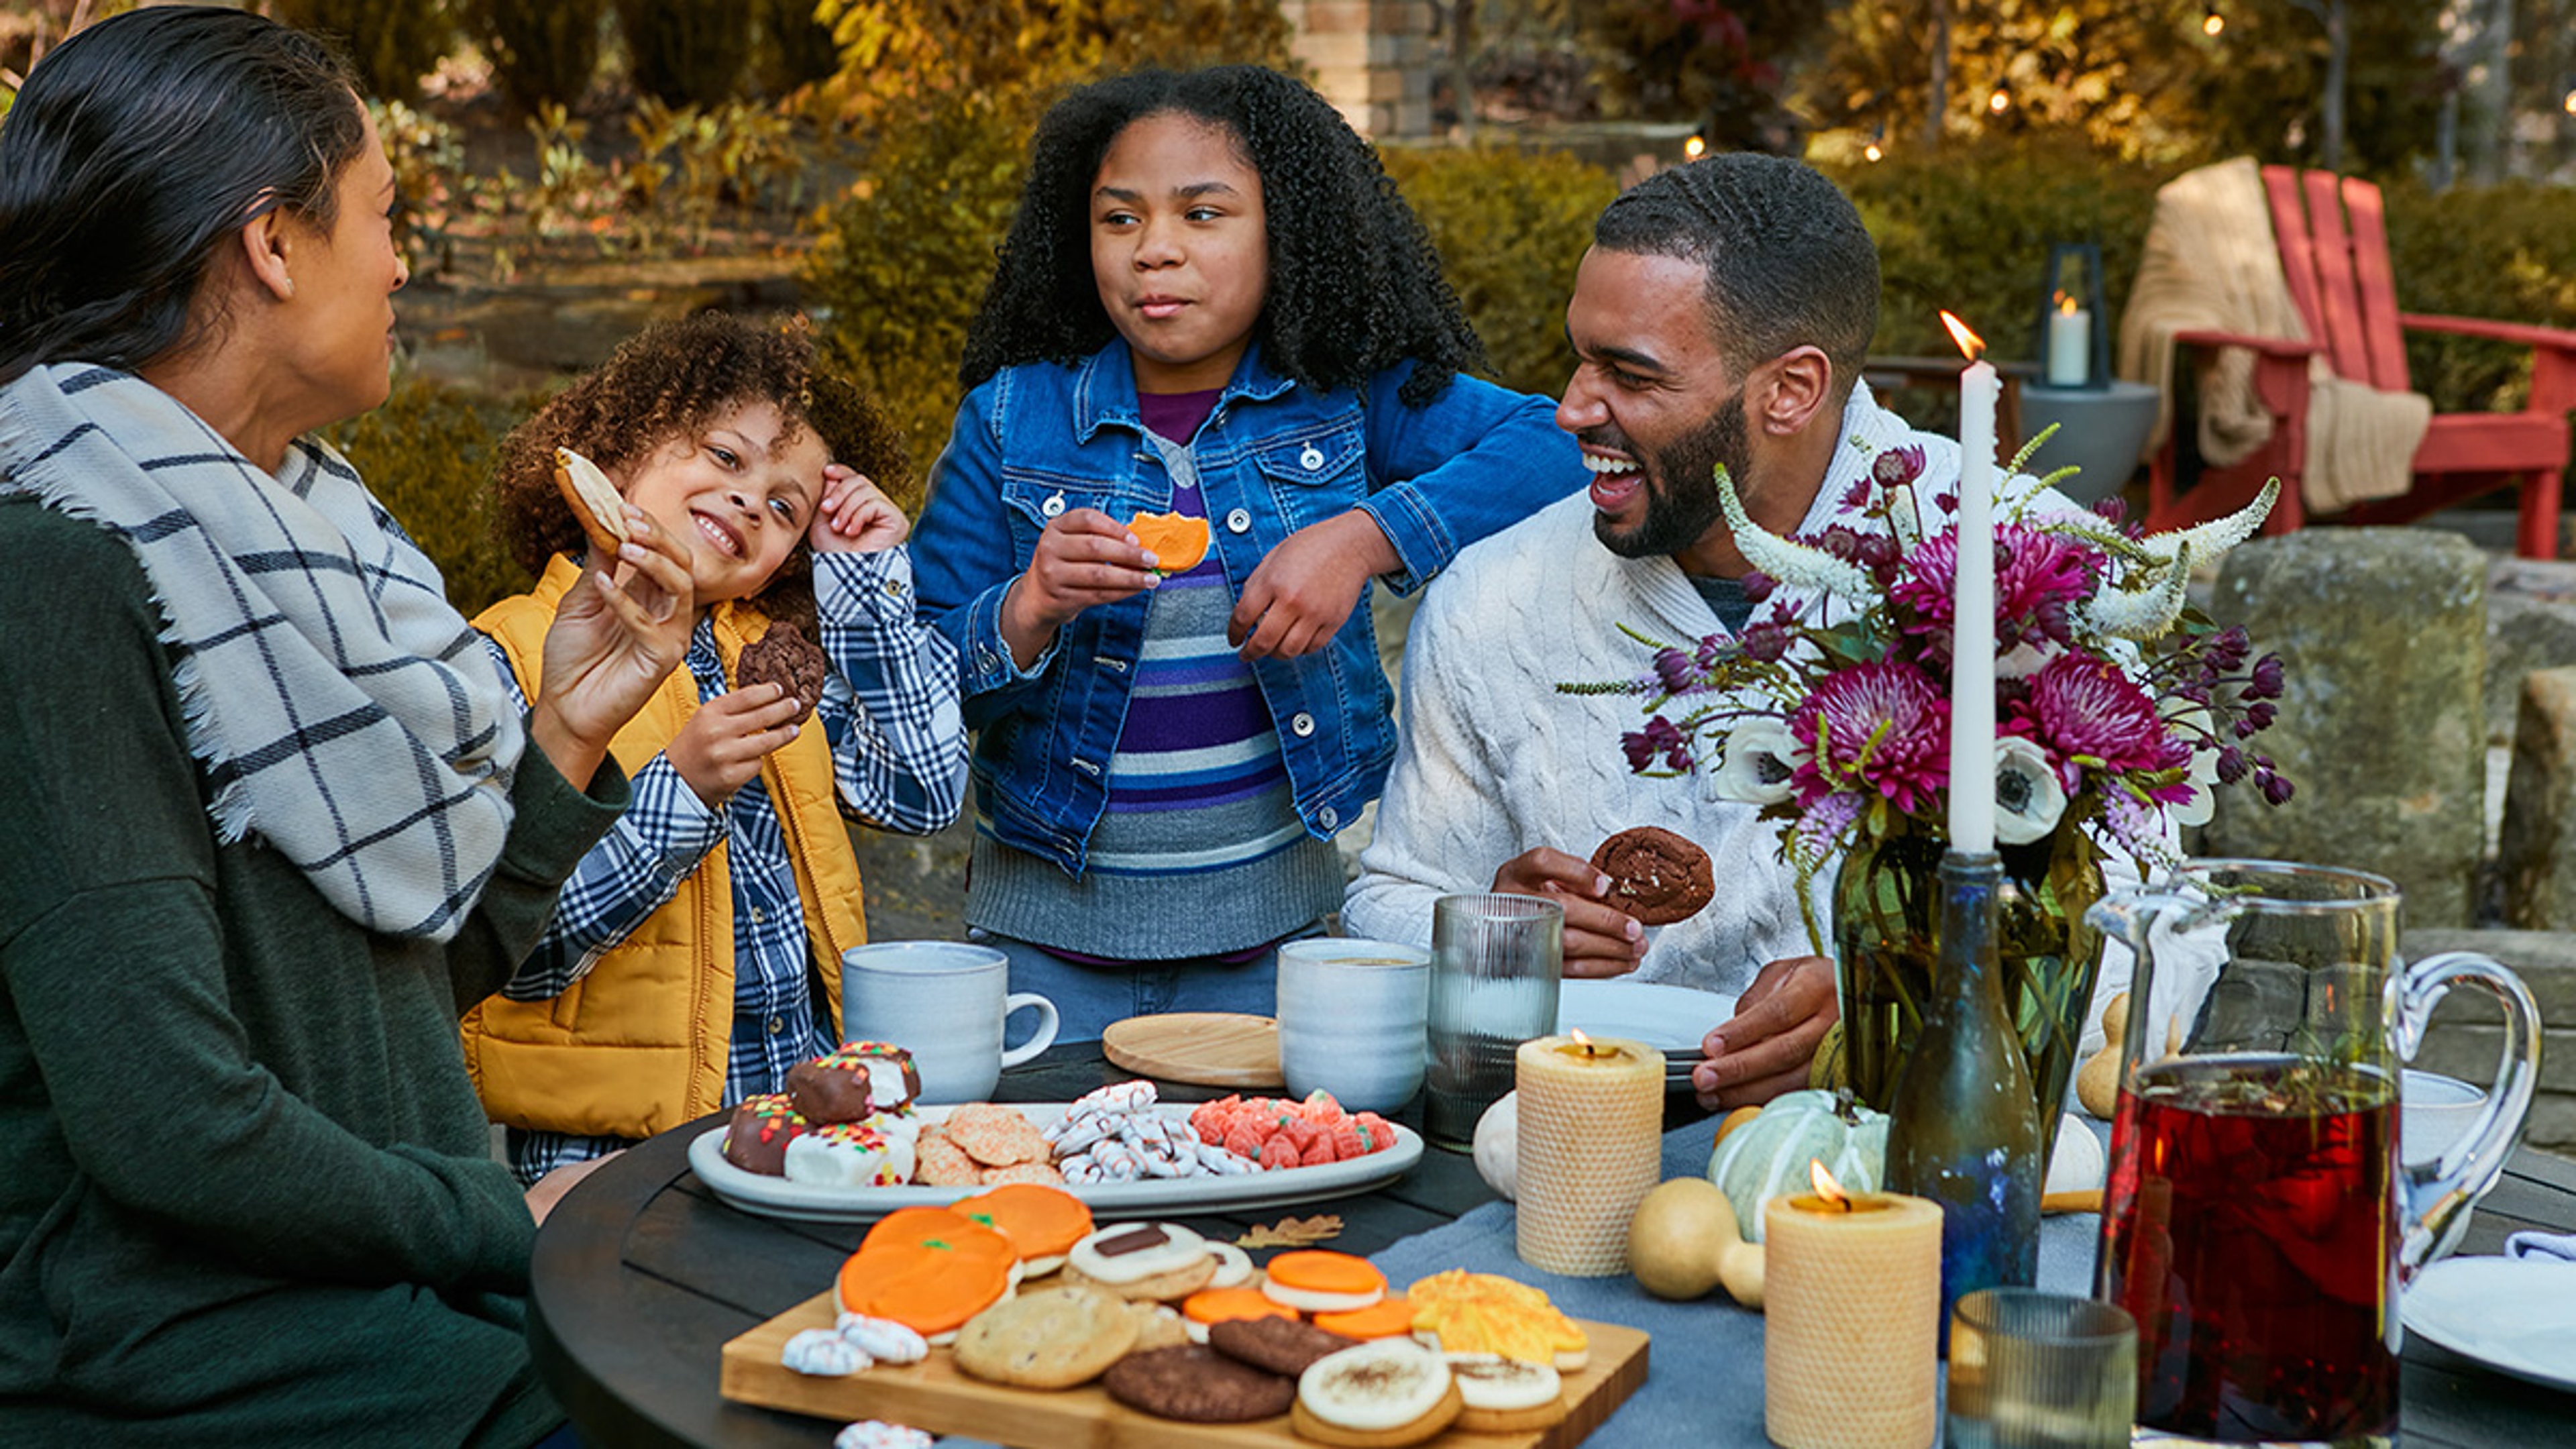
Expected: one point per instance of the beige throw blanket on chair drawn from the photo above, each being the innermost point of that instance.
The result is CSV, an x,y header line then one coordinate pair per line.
x,y
2211,264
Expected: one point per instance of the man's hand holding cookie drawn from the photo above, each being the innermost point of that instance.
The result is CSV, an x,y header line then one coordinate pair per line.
x,y
1600,939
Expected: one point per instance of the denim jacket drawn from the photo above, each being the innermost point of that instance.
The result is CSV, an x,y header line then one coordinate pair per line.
x,y
1042,438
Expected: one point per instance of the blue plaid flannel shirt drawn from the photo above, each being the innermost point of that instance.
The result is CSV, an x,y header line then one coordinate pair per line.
x,y
890,710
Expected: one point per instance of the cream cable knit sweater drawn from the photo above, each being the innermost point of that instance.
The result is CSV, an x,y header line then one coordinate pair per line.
x,y
1492,761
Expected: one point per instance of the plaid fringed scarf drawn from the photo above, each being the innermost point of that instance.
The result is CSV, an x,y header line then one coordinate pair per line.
x,y
347,715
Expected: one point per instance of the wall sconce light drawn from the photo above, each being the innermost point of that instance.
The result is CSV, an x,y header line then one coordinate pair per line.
x,y
2211,22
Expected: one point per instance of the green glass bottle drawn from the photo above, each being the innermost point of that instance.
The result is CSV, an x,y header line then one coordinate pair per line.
x,y
1963,1127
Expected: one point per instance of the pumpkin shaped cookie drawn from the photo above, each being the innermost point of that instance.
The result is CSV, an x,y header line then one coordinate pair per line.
x,y
927,1268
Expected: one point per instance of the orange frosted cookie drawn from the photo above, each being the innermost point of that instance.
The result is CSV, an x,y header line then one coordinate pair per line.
x,y
1318,1280
927,1268
1219,1305
1043,1223
1386,1318
1465,1312
1176,540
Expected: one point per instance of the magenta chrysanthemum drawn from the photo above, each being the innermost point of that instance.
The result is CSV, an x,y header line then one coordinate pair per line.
x,y
2038,577
1873,727
2076,705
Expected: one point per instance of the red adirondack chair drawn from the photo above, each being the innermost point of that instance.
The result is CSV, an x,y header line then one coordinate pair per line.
x,y
2334,248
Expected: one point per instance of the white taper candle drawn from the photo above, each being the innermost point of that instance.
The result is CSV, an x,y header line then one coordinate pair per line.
x,y
1972,668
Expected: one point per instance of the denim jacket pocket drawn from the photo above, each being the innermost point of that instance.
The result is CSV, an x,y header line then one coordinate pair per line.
x,y
1314,478
1032,498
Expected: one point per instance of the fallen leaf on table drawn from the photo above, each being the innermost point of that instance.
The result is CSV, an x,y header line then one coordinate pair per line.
x,y
1293,1233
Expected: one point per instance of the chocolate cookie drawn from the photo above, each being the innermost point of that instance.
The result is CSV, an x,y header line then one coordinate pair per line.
x,y
1655,875
785,657
1281,1345
1198,1385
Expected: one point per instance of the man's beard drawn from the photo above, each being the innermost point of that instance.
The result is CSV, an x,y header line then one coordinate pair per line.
x,y
1680,486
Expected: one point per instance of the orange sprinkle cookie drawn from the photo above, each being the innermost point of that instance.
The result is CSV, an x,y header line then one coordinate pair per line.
x,y
1318,1280
1387,1318
996,1136
1465,1312
938,1162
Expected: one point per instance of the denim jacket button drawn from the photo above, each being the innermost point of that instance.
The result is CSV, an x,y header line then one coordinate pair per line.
x,y
1311,459
1238,521
1303,724
1053,506
1329,818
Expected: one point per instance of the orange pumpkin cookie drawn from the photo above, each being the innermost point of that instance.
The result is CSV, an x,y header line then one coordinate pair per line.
x,y
927,1268
1177,541
1043,1223
1321,1281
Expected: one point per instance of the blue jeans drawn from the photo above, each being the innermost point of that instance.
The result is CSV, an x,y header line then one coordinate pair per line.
x,y
1089,998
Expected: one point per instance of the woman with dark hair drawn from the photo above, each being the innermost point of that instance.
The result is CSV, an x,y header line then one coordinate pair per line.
x,y
1211,303
273,820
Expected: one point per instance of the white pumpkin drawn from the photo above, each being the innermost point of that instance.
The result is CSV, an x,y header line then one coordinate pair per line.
x,y
2077,1164
1767,1157
1498,1146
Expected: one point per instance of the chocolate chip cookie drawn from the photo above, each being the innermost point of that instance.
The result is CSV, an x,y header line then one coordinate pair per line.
x,y
1655,875
785,657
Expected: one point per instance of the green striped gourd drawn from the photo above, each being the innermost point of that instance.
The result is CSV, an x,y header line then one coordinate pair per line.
x,y
1768,1156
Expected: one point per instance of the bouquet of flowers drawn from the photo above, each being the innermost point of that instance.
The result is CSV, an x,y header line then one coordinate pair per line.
x,y
2117,707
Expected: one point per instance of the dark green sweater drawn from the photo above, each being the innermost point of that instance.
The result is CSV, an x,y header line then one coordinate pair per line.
x,y
245,1189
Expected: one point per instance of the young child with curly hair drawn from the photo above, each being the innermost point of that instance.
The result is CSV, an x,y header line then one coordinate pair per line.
x,y
1211,302
696,953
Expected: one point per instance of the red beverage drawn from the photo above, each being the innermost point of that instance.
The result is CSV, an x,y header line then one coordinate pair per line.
x,y
2250,1226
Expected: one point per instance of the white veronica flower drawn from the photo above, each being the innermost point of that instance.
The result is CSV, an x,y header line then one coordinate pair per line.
x,y
2028,799
1790,563
1760,755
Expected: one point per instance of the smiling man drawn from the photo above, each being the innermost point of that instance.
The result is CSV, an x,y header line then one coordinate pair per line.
x,y
1721,316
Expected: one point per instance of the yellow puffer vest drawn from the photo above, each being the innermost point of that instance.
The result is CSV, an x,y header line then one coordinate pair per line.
x,y
638,1044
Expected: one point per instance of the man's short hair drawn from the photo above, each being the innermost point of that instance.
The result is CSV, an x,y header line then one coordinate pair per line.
x,y
1788,262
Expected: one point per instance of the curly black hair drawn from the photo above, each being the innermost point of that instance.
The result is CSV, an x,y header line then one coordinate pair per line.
x,y
666,382
1789,263
1355,284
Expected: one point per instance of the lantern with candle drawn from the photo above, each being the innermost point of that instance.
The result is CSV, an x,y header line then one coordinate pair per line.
x,y
1851,1308
2073,343
1888,701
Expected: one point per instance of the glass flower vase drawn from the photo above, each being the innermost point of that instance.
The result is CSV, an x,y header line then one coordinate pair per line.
x,y
1887,951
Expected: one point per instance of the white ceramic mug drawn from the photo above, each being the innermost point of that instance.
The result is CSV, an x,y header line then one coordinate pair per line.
x,y
946,1003
1352,1019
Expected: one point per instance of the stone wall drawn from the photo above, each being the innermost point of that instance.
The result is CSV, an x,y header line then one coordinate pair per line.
x,y
1372,60
2468,1027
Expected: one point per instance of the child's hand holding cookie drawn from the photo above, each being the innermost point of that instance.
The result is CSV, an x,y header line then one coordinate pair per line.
x,y
720,749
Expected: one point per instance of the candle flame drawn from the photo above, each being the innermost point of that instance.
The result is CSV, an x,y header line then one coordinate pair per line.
x,y
1969,342
2066,302
1826,1188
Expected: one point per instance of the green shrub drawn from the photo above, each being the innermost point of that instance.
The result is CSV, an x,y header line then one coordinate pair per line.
x,y
427,456
901,260
688,52
393,43
541,52
1970,230
2503,252
1511,227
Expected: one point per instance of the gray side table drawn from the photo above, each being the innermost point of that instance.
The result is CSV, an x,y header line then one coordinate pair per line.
x,y
2100,431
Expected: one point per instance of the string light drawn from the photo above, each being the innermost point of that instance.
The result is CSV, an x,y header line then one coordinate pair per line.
x,y
1694,148
2211,22
1999,102
2571,102
1876,150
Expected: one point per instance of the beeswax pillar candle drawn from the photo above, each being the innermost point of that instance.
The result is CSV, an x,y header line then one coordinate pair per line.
x,y
1591,1148
1851,1317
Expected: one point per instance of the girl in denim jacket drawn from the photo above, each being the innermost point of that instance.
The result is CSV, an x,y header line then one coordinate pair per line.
x,y
1211,302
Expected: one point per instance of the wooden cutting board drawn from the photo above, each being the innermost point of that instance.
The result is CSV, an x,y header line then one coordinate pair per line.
x,y
933,1395
1205,1048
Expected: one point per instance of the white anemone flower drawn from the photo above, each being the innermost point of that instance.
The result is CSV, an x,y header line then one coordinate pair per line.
x,y
1760,755
2203,774
2028,800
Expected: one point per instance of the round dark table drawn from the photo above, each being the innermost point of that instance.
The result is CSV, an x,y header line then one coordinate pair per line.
x,y
641,1275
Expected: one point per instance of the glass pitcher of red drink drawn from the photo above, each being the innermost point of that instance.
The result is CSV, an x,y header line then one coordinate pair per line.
x,y
2258,1221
